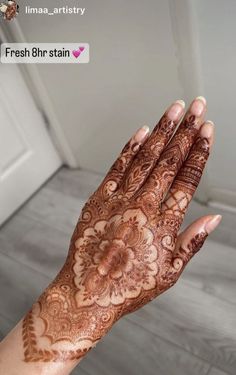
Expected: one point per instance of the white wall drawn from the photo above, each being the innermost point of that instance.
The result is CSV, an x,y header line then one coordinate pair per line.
x,y
143,56
217,31
132,75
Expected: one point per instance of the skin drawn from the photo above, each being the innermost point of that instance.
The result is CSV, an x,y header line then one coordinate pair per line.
x,y
126,248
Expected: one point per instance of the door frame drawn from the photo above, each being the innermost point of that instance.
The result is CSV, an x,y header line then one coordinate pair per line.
x,y
11,32
186,39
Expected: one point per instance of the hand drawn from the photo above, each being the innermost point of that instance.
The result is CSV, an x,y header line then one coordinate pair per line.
x,y
125,249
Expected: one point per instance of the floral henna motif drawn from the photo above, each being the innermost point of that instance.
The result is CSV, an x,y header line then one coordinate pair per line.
x,y
122,252
112,268
116,260
71,331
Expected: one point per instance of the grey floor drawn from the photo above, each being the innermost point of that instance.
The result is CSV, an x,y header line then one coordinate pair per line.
x,y
189,330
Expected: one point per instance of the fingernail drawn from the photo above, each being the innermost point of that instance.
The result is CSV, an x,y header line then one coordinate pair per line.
x,y
181,102
207,130
141,134
201,98
176,110
198,106
212,223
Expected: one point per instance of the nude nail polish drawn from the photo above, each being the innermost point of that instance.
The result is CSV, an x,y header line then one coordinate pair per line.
x,y
207,130
198,106
213,223
176,110
141,134
201,98
145,128
181,102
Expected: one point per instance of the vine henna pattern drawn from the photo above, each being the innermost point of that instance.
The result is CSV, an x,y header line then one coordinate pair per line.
x,y
32,354
123,251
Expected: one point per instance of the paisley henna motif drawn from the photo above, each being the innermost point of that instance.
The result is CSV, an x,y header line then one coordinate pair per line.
x,y
122,252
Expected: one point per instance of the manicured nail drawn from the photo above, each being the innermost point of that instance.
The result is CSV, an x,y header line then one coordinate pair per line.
x,y
181,102
176,110
212,223
198,106
141,134
207,130
201,98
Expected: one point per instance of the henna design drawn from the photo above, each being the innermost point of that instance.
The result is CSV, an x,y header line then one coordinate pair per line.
x,y
189,176
172,158
187,179
122,252
182,255
33,354
115,260
115,265
116,172
146,158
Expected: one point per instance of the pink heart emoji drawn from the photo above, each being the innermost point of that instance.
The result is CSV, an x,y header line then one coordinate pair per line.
x,y
76,53
81,49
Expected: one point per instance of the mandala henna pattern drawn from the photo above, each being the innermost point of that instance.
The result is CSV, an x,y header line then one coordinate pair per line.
x,y
122,252
116,259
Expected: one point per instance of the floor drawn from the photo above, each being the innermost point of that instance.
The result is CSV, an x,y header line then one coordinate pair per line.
x,y
189,330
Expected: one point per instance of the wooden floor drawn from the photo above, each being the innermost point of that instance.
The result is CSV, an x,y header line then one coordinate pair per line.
x,y
189,330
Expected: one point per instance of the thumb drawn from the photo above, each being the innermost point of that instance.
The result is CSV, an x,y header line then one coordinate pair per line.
x,y
190,241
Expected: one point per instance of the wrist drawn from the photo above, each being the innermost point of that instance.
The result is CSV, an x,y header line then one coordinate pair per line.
x,y
58,329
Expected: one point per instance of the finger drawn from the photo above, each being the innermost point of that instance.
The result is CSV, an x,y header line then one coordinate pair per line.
x,y
189,242
188,177
177,151
151,151
116,172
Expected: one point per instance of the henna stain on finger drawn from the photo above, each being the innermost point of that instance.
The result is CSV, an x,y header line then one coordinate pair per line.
x,y
122,252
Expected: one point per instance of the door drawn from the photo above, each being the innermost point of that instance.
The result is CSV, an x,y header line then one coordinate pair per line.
x,y
27,155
